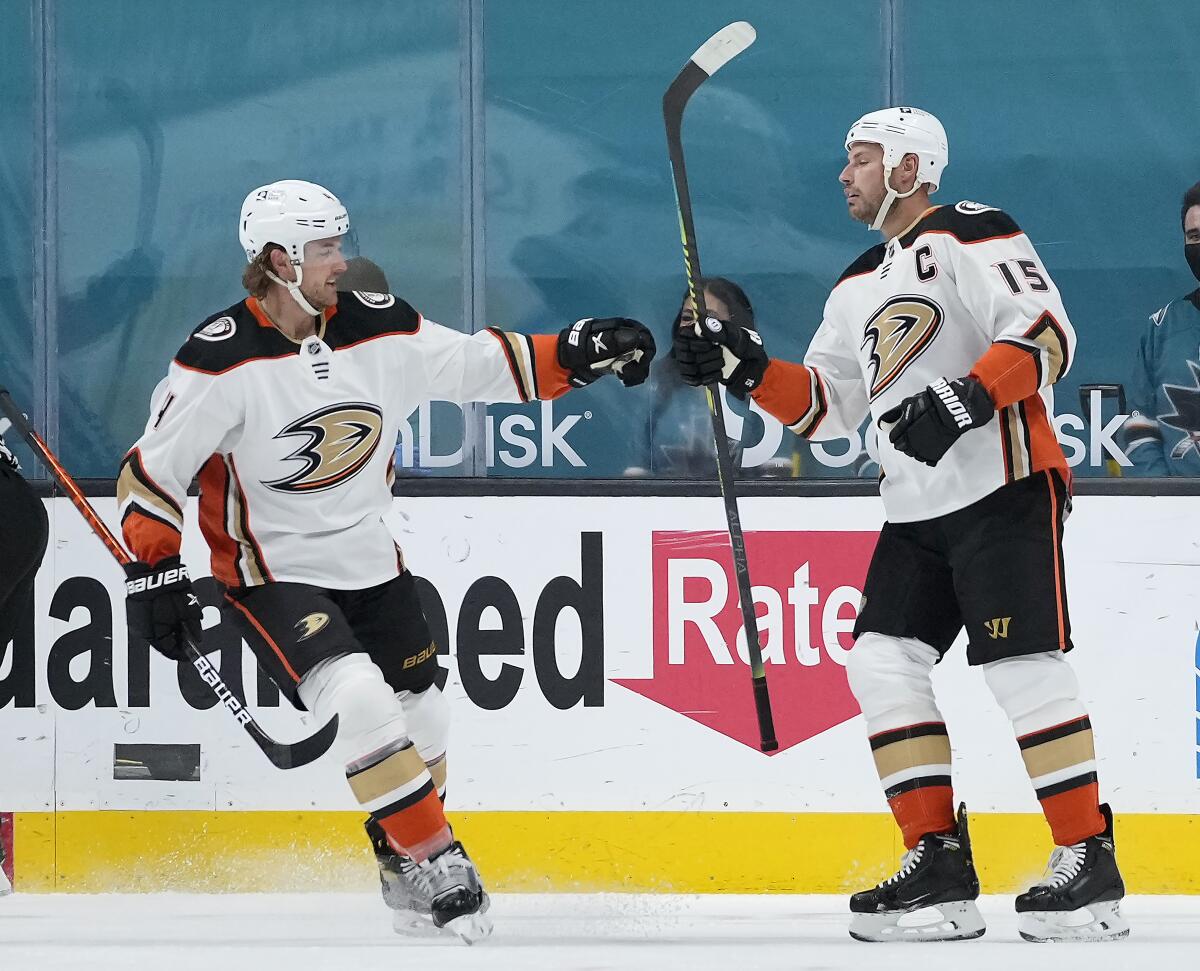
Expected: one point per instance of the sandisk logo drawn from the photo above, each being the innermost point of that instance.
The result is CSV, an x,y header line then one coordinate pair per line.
x,y
156,580
957,409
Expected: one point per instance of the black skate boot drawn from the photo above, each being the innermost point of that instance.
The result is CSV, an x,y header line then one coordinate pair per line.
x,y
457,900
1080,897
425,902
938,876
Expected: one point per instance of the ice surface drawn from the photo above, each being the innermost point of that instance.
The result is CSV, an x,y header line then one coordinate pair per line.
x,y
306,932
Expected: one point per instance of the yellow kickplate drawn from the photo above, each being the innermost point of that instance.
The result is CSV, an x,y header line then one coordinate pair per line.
x,y
684,852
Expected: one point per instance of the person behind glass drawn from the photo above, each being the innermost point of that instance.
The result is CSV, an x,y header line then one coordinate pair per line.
x,y
949,333
680,430
24,530
287,404
1162,434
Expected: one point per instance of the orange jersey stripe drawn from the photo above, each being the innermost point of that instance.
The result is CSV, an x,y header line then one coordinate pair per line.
x,y
1044,450
214,484
1058,584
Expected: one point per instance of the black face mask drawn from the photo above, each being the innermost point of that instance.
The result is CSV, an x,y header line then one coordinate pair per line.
x,y
1191,253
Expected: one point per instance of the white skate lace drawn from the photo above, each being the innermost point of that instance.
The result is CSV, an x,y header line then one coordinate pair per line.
x,y
437,875
908,863
1065,864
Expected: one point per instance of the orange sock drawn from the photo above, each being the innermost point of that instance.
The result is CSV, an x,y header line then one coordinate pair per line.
x,y
1061,762
914,766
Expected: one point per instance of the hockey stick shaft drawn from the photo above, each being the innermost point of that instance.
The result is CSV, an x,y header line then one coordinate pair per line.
x,y
712,55
282,755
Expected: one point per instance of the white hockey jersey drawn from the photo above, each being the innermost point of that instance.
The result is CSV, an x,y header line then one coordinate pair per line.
x,y
293,442
962,291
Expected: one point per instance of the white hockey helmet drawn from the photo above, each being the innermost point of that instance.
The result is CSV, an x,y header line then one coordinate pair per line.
x,y
290,213
900,132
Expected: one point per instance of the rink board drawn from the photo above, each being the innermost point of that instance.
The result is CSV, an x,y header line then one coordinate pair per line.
x,y
603,731
560,852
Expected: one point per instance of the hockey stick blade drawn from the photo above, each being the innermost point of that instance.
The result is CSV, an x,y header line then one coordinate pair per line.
x,y
283,755
723,46
712,55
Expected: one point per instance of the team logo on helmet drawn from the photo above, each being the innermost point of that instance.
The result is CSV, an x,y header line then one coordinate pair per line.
x,y
377,301
218,330
896,335
339,442
310,625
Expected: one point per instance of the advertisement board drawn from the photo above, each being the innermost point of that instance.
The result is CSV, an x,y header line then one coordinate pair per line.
x,y
593,667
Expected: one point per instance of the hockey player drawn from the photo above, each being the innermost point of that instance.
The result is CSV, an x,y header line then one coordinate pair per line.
x,y
1163,433
287,405
950,334
23,534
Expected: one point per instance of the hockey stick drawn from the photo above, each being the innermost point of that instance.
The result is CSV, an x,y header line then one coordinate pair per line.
x,y
282,755
726,44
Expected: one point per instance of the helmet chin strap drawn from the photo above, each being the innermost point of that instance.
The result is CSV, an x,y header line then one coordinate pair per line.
x,y
891,196
294,289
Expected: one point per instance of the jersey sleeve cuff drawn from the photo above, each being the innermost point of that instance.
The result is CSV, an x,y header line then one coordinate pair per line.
x,y
149,539
1009,372
793,393
552,377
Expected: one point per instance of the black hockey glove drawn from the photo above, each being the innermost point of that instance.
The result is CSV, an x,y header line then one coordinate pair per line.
x,y
925,425
596,346
723,352
160,606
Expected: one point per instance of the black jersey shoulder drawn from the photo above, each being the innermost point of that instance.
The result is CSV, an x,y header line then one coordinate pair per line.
x,y
232,337
363,316
866,263
968,222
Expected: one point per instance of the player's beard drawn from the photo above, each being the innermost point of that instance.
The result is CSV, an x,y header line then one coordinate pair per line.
x,y
867,207
316,296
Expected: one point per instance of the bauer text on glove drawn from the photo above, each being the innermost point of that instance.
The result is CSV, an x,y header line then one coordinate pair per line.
x,y
161,607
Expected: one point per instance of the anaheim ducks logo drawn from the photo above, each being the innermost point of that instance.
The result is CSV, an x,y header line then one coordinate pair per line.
x,y
340,442
896,335
312,624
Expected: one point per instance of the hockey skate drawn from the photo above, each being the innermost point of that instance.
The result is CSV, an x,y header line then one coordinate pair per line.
x,y
1080,897
457,900
930,898
427,902
5,886
411,914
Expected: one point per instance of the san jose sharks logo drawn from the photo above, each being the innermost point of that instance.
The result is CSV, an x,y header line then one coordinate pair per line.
x,y
1186,402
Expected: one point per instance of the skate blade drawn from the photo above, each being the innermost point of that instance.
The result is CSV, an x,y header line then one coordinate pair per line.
x,y
410,923
470,928
1093,923
957,921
